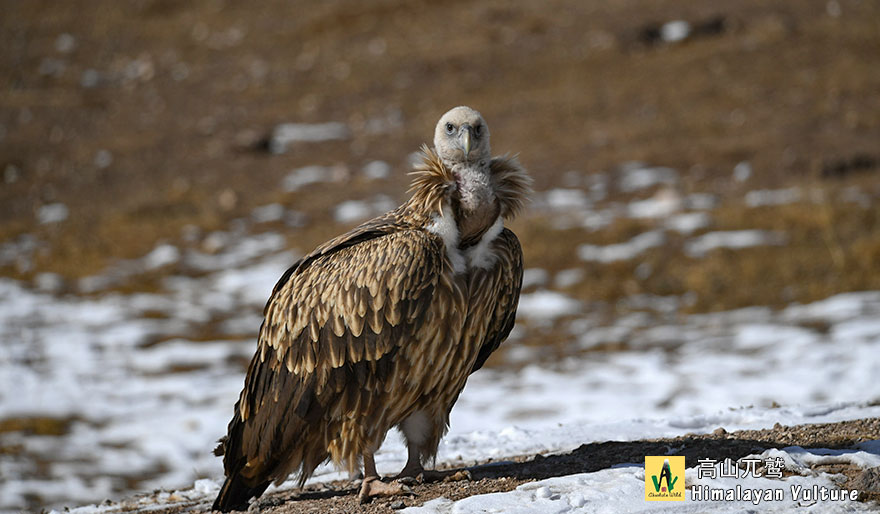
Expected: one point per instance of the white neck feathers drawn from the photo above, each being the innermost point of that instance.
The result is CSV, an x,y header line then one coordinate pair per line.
x,y
478,256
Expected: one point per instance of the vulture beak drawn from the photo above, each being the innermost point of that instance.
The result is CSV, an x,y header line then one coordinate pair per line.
x,y
464,139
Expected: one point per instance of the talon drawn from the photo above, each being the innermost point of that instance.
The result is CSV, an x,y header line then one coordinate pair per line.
x,y
409,481
373,487
459,476
427,476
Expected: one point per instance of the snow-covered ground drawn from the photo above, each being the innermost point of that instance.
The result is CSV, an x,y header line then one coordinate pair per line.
x,y
142,400
622,489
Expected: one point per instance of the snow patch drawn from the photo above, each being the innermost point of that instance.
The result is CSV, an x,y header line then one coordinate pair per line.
x,y
665,203
622,251
161,256
566,199
268,213
52,213
535,277
357,210
687,223
765,197
288,133
301,177
733,239
376,170
636,176
547,305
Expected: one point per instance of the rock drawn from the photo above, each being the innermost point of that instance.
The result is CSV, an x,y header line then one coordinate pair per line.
x,y
65,43
867,480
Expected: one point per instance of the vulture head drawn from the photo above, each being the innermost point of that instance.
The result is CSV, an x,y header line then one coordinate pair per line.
x,y
462,136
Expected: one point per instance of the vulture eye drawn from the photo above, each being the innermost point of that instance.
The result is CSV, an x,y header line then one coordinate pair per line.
x,y
478,130
450,128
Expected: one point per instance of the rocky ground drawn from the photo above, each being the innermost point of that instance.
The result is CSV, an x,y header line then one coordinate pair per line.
x,y
501,476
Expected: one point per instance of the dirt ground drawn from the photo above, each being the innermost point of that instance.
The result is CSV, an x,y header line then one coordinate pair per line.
x,y
146,118
488,477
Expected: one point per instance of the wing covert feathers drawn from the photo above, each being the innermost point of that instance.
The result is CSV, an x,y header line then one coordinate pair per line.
x,y
496,292
349,335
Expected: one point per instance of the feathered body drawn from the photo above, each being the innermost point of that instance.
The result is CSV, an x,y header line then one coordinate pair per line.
x,y
378,328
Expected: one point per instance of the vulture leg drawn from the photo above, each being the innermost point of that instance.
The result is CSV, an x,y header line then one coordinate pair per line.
x,y
415,473
413,467
417,431
373,486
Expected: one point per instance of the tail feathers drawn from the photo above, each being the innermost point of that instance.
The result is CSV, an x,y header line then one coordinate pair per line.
x,y
235,494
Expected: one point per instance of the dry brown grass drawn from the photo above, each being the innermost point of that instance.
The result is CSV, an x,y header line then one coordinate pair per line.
x,y
568,85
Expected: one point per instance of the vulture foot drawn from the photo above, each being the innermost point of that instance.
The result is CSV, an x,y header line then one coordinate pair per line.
x,y
373,487
425,476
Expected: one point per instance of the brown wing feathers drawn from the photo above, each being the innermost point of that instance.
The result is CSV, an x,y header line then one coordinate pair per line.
x,y
334,321
503,284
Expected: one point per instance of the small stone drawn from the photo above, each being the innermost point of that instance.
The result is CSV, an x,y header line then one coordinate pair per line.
x,y
52,67
65,43
742,171
11,173
460,476
398,505
89,78
867,480
180,71
227,199
103,159
675,30
377,46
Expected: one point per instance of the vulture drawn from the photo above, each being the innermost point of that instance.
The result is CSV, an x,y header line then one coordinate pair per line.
x,y
381,326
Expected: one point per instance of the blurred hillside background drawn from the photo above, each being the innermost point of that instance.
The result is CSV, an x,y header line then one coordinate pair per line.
x,y
162,162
